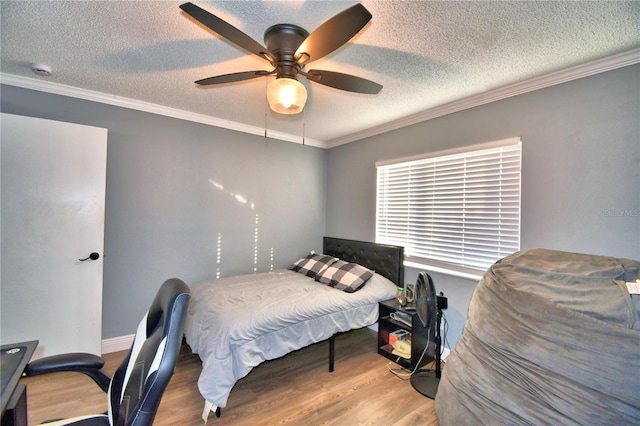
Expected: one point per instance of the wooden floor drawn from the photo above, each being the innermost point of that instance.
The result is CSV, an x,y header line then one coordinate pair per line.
x,y
296,390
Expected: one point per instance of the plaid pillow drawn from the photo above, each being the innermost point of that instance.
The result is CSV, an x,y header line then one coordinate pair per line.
x,y
348,277
312,264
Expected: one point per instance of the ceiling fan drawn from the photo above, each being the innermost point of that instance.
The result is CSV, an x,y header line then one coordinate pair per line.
x,y
288,49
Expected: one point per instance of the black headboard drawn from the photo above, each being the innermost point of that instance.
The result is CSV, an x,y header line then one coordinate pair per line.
x,y
386,260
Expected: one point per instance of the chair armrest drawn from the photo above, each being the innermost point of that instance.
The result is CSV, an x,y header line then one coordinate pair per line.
x,y
88,364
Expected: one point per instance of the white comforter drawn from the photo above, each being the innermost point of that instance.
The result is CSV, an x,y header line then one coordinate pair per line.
x,y
238,322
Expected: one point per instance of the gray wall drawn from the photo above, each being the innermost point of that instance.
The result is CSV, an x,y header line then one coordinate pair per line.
x,y
580,192
164,213
580,170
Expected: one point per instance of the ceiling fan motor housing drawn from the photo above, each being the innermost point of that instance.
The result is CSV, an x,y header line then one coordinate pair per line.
x,y
282,41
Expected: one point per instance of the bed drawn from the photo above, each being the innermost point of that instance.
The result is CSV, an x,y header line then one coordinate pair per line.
x,y
551,338
236,323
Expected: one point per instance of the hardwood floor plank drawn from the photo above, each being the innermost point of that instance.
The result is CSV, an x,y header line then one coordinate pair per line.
x,y
293,390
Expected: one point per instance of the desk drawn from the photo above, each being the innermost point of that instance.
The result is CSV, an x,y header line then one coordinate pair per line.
x,y
13,360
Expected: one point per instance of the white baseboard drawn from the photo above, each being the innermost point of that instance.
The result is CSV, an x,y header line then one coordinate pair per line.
x,y
116,344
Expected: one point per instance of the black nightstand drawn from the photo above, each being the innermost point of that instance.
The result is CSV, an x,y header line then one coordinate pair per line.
x,y
387,325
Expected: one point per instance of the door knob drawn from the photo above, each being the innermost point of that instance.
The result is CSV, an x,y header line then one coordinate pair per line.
x,y
92,256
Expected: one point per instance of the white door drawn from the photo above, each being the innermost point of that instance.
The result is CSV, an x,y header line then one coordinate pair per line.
x,y
53,177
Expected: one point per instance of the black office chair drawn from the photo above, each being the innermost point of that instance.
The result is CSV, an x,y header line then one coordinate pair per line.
x,y
137,386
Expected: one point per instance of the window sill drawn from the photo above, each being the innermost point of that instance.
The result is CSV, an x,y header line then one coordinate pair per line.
x,y
474,276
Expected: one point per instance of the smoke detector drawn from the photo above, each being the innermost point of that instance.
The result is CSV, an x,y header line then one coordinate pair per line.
x,y
41,69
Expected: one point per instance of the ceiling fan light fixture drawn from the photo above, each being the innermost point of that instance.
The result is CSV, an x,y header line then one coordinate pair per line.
x,y
286,95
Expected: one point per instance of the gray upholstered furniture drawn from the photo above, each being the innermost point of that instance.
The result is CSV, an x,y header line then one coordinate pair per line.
x,y
552,338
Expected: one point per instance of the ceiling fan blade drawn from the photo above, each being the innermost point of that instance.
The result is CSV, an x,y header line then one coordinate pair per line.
x,y
347,82
224,29
231,78
335,32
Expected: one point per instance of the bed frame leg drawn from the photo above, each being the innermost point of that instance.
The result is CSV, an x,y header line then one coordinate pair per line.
x,y
218,412
332,352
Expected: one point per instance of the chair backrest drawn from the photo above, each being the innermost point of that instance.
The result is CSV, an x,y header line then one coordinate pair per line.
x,y
139,382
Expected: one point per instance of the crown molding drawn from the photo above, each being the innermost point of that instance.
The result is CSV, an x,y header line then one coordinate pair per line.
x,y
573,73
120,101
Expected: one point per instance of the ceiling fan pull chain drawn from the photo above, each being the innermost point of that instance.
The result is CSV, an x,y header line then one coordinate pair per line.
x,y
266,84
304,122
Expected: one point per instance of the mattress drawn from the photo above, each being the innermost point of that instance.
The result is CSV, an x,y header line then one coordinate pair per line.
x,y
236,323
551,338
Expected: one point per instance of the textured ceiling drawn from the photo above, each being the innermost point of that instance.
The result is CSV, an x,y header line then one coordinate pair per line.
x,y
425,53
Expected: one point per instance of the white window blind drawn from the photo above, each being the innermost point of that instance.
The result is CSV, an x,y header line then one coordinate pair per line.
x,y
457,211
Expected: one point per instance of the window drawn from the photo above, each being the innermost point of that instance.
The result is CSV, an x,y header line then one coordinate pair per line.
x,y
455,212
